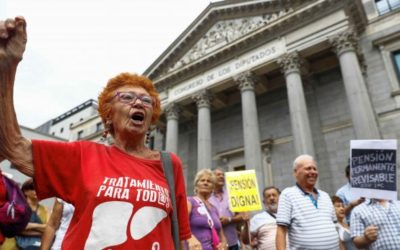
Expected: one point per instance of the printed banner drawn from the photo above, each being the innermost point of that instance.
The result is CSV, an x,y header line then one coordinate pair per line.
x,y
243,191
373,169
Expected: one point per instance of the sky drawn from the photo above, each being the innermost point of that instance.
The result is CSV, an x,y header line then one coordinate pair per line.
x,y
75,46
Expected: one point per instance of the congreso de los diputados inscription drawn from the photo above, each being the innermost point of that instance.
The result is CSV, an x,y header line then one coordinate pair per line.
x,y
252,84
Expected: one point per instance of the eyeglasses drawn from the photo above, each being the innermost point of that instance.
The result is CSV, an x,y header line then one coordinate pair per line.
x,y
131,97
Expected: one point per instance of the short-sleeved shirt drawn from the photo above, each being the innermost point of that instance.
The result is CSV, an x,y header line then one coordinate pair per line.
x,y
222,204
121,201
345,237
386,219
310,223
263,225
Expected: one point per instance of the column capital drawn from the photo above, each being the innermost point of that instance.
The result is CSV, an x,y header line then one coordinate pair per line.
x,y
345,41
203,99
292,63
245,80
172,111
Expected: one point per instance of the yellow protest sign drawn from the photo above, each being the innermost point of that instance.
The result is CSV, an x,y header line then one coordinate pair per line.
x,y
243,191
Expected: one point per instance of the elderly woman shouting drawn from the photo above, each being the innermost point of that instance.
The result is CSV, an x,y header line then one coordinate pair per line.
x,y
120,193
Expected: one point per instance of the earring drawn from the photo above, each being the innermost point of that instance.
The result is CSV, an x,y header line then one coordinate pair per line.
x,y
147,141
104,135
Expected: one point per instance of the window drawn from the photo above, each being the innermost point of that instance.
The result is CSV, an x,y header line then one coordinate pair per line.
x,y
389,47
396,63
239,168
80,134
385,6
99,126
61,130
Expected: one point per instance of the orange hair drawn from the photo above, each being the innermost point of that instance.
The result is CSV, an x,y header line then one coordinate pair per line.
x,y
127,79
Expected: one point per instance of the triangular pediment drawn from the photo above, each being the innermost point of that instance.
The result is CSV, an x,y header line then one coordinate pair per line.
x,y
220,24
228,29
224,32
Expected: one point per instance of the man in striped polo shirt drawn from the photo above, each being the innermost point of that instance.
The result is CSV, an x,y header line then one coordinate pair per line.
x,y
305,213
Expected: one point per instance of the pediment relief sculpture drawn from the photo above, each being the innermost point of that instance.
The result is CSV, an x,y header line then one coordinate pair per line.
x,y
225,32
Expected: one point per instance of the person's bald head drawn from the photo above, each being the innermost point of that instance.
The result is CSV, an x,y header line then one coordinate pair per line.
x,y
306,171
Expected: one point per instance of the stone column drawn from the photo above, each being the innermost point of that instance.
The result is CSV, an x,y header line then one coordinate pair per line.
x,y
251,131
362,113
172,113
301,130
159,138
204,152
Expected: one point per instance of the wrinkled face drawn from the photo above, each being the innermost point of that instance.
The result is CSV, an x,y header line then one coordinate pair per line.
x,y
271,197
339,209
205,184
220,178
132,118
306,173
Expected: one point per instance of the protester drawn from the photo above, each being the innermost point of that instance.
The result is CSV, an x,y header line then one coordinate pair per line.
x,y
3,200
375,224
263,225
346,195
29,239
120,193
204,219
306,214
57,225
219,198
5,243
346,242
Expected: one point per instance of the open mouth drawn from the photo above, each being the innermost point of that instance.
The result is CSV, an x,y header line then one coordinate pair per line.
x,y
312,178
138,117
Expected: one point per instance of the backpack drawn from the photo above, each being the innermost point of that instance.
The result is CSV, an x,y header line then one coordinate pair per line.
x,y
15,212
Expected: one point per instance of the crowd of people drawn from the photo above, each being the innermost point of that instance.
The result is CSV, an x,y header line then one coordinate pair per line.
x,y
303,216
118,196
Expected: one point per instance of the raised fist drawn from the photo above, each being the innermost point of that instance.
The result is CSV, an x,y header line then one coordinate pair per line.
x,y
12,41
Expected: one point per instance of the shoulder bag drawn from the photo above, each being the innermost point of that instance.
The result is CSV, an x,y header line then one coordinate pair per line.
x,y
169,175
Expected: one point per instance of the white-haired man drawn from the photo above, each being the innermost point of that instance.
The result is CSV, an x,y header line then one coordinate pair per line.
x,y
306,214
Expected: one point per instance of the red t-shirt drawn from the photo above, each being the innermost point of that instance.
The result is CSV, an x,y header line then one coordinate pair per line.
x,y
121,201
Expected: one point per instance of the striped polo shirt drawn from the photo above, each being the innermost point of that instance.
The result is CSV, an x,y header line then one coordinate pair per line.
x,y
310,223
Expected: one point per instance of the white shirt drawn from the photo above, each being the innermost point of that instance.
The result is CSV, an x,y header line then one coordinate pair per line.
x,y
67,213
264,226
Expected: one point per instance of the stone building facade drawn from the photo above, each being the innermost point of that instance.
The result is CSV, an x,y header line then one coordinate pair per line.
x,y
253,84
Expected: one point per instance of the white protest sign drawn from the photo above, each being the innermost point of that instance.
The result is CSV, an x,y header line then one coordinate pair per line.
x,y
373,169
